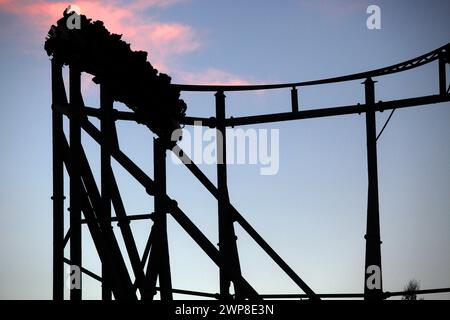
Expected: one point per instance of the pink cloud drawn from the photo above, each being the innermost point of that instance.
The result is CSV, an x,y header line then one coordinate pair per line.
x,y
211,76
143,4
161,40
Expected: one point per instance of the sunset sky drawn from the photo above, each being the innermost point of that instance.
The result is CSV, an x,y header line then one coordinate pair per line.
x,y
313,211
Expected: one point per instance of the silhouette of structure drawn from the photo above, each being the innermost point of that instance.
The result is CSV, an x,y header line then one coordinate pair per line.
x,y
155,102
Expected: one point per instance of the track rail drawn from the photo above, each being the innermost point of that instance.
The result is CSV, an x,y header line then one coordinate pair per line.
x,y
399,67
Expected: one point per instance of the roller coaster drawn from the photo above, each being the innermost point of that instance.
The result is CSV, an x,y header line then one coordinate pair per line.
x,y
91,205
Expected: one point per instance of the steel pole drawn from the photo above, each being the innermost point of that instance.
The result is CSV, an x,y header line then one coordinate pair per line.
x,y
227,237
58,96
373,286
75,182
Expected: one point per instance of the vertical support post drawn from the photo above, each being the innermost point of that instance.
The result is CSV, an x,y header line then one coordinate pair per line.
x,y
58,96
75,180
107,130
373,286
227,237
294,99
442,76
165,281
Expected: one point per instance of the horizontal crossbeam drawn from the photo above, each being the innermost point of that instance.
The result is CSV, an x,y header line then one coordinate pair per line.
x,y
338,111
285,116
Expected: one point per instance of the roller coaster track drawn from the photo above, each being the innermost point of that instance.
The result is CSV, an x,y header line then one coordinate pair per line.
x,y
443,51
95,202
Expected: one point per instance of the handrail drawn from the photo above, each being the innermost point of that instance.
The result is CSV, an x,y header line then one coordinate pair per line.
x,y
403,66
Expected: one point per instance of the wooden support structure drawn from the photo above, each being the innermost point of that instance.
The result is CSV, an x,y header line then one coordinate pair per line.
x,y
97,204
158,263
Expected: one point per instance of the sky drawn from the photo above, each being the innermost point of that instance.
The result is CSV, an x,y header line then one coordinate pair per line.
x,y
313,211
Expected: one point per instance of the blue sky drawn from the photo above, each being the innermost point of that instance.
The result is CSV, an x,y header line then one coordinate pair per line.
x,y
313,211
